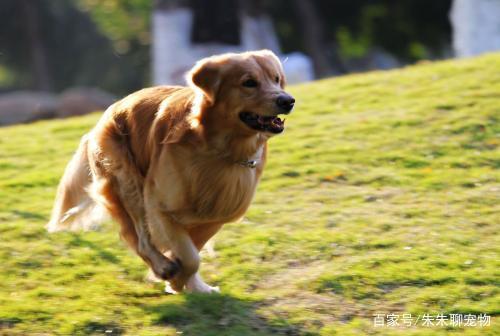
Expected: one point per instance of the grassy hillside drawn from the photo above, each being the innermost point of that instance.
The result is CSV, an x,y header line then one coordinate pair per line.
x,y
383,196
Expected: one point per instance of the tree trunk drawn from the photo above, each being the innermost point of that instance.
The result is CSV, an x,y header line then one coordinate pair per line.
x,y
38,57
216,21
312,36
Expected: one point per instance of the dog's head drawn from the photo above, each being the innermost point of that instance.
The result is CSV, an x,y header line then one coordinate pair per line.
x,y
245,91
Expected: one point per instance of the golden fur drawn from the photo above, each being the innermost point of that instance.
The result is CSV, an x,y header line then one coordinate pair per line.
x,y
164,162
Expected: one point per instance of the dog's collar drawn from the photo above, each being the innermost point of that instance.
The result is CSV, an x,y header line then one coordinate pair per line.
x,y
254,160
248,163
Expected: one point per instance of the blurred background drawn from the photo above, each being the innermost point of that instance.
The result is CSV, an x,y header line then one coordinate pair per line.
x,y
69,57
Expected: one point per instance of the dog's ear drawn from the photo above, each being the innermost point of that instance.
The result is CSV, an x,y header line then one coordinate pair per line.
x,y
205,75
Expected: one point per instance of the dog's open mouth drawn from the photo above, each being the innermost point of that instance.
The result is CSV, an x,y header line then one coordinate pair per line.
x,y
263,123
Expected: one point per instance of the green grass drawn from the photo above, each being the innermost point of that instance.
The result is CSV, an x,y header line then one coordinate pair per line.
x,y
382,197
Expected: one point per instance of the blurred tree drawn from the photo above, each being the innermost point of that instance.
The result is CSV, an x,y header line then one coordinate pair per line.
x,y
48,44
106,43
410,30
36,46
216,21
124,22
313,36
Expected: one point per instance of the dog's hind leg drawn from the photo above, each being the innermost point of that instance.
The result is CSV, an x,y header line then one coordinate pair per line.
x,y
118,186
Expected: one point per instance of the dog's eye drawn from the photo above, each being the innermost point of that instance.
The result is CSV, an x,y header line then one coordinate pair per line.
x,y
250,83
277,79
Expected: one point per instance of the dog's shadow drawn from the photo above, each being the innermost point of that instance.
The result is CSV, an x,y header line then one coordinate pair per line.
x,y
217,314
214,314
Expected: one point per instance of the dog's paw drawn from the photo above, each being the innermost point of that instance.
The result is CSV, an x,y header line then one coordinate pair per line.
x,y
168,270
169,289
151,277
205,288
197,285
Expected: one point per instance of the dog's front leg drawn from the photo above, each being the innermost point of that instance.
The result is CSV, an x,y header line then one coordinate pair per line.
x,y
170,237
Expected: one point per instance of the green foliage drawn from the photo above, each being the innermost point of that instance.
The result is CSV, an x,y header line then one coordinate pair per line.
x,y
410,30
112,54
382,197
121,20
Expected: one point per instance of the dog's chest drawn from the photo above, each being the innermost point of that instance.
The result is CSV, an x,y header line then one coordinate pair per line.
x,y
222,193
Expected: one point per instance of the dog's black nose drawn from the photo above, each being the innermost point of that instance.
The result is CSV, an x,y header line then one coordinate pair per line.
x,y
285,102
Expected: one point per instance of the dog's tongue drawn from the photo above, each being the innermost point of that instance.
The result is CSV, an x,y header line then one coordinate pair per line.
x,y
277,122
274,121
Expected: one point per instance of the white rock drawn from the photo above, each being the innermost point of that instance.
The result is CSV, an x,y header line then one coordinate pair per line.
x,y
476,26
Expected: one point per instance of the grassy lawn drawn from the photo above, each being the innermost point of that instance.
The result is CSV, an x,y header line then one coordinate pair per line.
x,y
383,196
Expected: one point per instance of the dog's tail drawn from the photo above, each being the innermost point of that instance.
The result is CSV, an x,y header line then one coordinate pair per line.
x,y
73,207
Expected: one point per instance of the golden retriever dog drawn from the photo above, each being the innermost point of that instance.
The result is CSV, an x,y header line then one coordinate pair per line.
x,y
172,164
